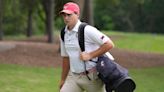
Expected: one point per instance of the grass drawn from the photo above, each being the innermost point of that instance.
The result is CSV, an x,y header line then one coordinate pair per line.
x,y
149,80
16,78
143,42
152,43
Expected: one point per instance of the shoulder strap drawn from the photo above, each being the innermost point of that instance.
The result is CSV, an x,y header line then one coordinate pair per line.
x,y
81,39
62,33
80,35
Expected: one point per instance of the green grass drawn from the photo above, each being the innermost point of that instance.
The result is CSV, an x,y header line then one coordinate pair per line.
x,y
143,42
139,42
16,78
149,80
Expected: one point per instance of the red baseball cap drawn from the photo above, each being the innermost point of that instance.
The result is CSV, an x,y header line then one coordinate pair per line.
x,y
70,8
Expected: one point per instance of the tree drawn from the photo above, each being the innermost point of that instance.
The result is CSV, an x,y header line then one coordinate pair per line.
x,y
29,6
1,18
87,14
14,20
48,6
154,16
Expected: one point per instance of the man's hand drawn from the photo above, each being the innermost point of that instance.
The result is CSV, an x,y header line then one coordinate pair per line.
x,y
61,84
100,51
85,56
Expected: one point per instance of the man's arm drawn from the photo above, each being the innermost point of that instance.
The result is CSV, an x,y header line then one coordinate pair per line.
x,y
65,70
103,49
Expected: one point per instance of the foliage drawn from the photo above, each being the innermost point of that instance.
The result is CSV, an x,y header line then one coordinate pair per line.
x,y
59,24
154,15
13,20
131,15
124,15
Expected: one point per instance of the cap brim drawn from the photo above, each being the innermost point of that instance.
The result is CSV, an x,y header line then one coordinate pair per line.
x,y
66,11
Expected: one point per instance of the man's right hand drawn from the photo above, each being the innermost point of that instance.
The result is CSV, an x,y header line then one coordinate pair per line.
x,y
61,84
65,71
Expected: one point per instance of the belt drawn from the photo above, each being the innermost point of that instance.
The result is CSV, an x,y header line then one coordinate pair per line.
x,y
92,70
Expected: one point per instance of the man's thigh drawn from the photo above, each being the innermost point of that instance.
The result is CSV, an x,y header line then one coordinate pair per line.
x,y
70,85
93,85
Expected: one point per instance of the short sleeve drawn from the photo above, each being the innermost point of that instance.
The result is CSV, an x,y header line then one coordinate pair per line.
x,y
95,35
62,49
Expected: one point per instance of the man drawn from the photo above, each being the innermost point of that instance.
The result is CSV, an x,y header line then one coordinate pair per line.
x,y
73,78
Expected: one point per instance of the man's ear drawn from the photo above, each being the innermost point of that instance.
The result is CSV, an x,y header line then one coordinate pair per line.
x,y
78,15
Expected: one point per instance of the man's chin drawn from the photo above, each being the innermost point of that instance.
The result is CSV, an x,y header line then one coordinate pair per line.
x,y
67,22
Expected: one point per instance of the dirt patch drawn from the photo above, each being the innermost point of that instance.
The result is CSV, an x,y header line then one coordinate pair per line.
x,y
133,59
32,54
36,52
6,46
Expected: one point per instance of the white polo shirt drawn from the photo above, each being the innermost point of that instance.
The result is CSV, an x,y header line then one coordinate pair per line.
x,y
70,47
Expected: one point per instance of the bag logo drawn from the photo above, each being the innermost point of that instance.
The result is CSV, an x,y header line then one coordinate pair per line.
x,y
102,63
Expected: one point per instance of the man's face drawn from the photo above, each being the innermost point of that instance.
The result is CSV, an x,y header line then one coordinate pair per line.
x,y
70,19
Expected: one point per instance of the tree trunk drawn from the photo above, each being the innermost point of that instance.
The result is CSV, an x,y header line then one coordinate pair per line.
x,y
87,15
130,24
29,23
1,18
49,10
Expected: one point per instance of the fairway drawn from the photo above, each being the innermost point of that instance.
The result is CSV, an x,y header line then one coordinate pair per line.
x,y
149,79
16,78
22,71
140,42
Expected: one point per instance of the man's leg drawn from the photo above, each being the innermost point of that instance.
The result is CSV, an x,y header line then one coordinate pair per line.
x,y
70,85
127,86
93,85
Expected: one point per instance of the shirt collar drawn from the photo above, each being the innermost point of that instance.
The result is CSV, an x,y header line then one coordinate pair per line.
x,y
76,27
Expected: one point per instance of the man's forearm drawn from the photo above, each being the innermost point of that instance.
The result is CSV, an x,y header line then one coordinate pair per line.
x,y
65,68
103,49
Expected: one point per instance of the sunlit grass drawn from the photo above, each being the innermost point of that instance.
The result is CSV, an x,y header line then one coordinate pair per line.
x,y
149,80
143,42
14,78
138,41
